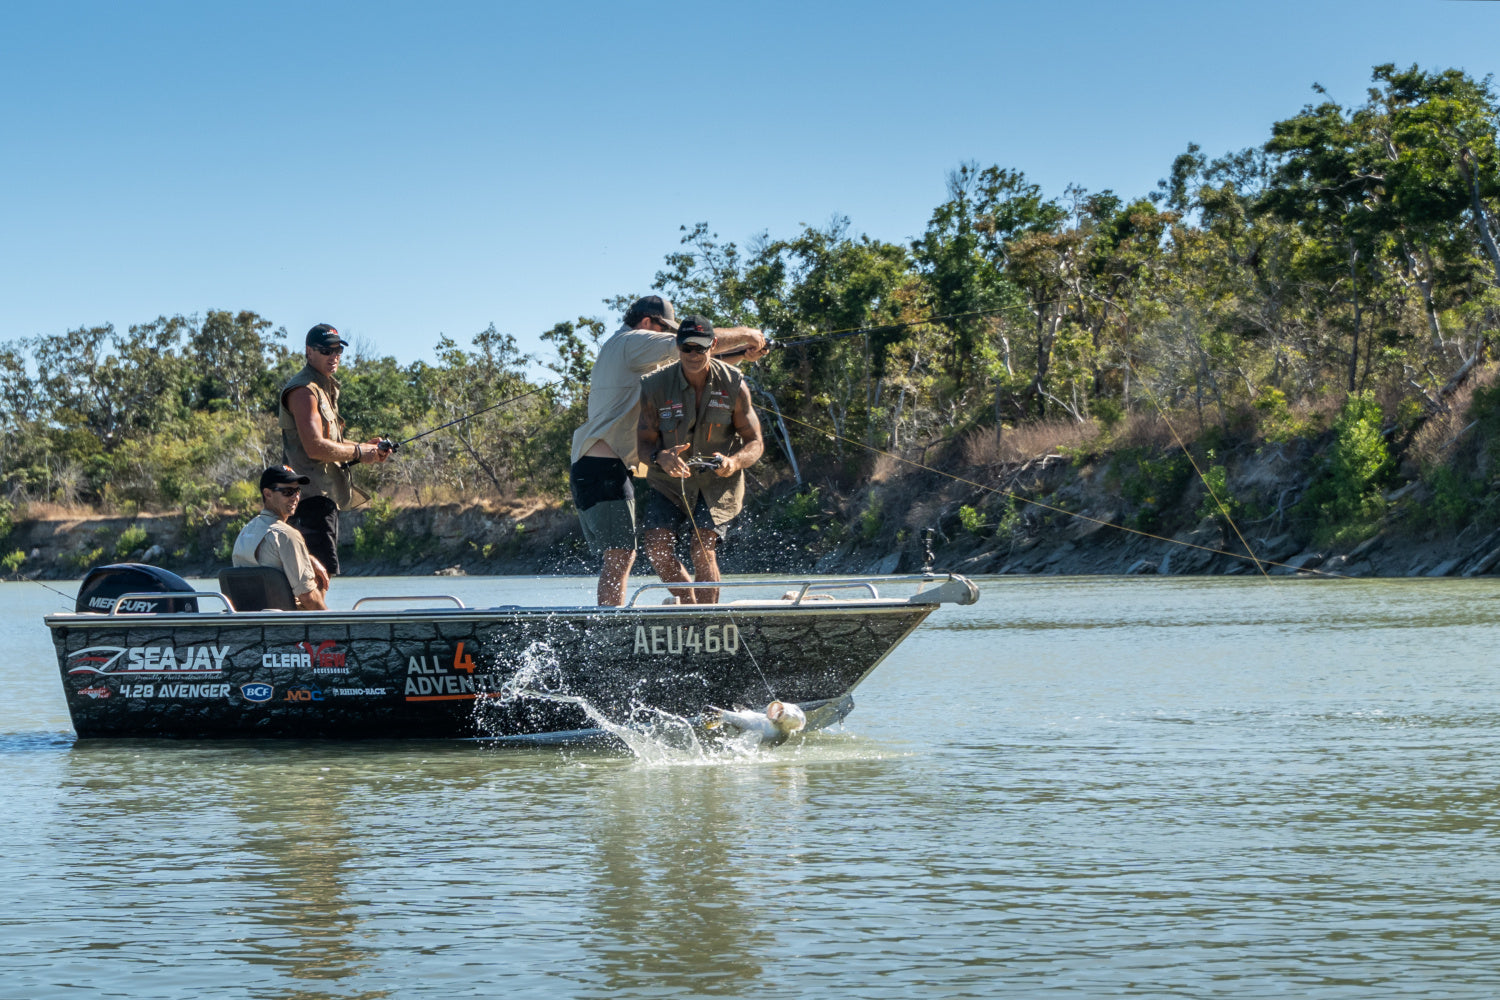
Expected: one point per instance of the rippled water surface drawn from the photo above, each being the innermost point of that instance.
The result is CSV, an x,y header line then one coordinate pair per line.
x,y
1078,787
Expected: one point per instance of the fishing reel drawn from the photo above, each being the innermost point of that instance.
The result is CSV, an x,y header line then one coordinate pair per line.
x,y
699,463
385,445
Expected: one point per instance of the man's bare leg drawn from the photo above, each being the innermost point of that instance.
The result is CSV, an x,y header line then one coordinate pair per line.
x,y
660,549
614,576
705,553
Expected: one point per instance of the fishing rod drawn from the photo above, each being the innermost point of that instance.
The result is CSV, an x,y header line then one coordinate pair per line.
x,y
388,445
818,338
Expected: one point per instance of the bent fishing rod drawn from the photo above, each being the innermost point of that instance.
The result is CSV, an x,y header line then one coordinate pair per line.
x,y
387,445
858,331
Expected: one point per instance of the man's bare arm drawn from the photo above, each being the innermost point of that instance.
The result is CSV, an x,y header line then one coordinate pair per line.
x,y
747,425
320,447
737,339
313,600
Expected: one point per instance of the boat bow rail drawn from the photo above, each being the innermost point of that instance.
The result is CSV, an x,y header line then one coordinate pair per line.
x,y
950,588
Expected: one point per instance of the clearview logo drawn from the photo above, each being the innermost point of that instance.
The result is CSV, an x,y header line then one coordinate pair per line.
x,y
117,661
320,657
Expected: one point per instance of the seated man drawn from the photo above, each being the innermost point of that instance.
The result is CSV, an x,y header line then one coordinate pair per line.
x,y
269,541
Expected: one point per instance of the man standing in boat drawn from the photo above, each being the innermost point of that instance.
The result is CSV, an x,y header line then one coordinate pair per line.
x,y
312,439
268,540
604,448
698,432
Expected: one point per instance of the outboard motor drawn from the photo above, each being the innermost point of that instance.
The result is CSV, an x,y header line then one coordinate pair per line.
x,y
104,584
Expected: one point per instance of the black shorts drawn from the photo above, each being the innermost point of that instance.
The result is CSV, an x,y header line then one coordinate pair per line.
x,y
605,498
318,520
663,513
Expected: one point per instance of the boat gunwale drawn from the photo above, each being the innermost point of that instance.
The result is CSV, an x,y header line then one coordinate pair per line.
x,y
87,619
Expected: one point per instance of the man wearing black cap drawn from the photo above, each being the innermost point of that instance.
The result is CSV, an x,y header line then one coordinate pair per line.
x,y
604,448
699,433
269,541
312,441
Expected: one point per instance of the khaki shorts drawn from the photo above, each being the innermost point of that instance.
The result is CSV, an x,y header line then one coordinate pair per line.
x,y
609,524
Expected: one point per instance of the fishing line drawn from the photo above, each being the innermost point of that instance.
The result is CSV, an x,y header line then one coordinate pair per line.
x,y
855,331
1224,510
70,598
698,537
1058,510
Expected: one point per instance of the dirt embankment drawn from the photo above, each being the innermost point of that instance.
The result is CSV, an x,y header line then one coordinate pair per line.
x,y
1079,517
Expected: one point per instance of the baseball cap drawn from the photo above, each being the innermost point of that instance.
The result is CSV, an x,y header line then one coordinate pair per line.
x,y
324,335
281,475
654,306
696,330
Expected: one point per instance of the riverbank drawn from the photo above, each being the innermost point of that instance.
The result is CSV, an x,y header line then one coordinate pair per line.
x,y
1054,514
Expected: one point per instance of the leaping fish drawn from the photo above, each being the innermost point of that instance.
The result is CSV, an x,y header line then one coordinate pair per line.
x,y
779,720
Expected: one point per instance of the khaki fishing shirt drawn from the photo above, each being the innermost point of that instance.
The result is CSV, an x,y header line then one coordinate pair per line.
x,y
269,541
708,422
328,479
615,390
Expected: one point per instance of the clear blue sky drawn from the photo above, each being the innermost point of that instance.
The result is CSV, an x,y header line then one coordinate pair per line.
x,y
404,171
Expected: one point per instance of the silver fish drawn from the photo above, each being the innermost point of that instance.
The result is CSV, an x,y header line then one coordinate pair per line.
x,y
773,725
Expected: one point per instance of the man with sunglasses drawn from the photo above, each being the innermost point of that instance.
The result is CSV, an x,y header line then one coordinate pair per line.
x,y
699,433
312,441
604,448
268,540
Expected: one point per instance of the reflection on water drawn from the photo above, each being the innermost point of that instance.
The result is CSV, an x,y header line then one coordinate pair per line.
x,y
1149,788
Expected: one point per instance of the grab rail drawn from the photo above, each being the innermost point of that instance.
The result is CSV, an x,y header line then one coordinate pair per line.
x,y
157,595
965,593
413,597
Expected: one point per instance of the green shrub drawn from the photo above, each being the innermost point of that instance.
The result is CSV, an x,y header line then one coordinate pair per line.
x,y
12,563
973,520
1217,501
130,540
1456,500
800,509
1276,421
1153,485
1346,495
377,536
869,521
243,495
1107,411
85,559
224,550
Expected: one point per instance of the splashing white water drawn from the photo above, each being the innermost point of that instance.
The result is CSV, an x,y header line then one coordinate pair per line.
x,y
652,735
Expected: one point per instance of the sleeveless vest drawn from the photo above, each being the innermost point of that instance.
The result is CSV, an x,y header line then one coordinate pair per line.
x,y
250,537
329,479
706,421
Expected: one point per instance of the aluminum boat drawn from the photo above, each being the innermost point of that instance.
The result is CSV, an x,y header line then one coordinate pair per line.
x,y
159,659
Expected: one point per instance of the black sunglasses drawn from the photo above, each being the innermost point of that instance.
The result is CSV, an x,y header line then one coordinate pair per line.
x,y
330,351
287,491
692,348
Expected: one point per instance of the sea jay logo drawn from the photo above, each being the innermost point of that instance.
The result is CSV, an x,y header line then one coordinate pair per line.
x,y
193,661
257,692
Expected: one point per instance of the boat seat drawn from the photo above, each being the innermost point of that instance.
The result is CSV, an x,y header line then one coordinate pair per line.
x,y
257,588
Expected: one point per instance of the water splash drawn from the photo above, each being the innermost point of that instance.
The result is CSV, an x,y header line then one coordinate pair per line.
x,y
653,736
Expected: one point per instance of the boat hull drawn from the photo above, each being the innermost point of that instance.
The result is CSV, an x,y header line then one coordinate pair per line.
x,y
457,673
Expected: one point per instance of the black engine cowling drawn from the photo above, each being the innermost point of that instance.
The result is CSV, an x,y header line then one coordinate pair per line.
x,y
104,584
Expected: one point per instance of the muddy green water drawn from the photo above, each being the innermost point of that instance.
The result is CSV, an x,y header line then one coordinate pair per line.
x,y
1078,787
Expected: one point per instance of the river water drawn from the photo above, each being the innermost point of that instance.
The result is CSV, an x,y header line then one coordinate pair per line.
x,y
1078,787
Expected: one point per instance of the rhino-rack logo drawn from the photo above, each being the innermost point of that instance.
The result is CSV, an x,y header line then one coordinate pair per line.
x,y
117,661
137,607
321,658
